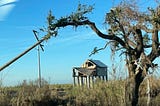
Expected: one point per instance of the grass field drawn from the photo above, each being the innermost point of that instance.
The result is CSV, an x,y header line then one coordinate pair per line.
x,y
111,93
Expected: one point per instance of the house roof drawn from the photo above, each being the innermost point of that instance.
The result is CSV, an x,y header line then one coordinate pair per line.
x,y
98,63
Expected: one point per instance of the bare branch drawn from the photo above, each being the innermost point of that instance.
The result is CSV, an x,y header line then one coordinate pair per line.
x,y
95,50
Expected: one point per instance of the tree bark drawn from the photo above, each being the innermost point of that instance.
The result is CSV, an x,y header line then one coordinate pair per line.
x,y
138,78
133,84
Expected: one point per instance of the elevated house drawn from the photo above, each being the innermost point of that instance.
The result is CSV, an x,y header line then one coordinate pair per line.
x,y
89,72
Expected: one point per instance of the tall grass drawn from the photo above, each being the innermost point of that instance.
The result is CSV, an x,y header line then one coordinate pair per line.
x,y
111,93
102,94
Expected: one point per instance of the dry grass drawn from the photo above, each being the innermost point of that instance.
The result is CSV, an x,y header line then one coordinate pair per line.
x,y
111,93
102,94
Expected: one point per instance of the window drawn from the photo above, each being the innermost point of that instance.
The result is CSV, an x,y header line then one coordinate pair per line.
x,y
89,64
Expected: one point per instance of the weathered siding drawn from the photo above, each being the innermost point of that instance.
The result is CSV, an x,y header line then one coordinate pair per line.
x,y
101,71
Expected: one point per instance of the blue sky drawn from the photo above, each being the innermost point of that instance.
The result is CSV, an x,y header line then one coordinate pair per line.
x,y
71,48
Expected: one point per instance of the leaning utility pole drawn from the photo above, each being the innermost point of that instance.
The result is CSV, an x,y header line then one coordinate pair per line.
x,y
19,56
39,62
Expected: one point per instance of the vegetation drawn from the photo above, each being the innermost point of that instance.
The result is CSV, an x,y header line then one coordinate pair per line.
x,y
131,30
111,93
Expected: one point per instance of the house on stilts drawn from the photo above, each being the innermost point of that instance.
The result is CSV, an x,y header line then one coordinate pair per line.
x,y
89,72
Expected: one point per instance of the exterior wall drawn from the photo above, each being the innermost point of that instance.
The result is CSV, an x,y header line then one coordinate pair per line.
x,y
101,71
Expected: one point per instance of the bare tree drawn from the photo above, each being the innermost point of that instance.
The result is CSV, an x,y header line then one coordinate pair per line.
x,y
130,30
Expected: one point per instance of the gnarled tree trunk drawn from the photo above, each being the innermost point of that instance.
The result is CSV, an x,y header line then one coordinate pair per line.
x,y
136,77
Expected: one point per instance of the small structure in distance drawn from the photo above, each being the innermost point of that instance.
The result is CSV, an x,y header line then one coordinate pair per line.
x,y
89,72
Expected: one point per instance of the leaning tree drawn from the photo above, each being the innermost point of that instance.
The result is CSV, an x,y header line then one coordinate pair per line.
x,y
131,31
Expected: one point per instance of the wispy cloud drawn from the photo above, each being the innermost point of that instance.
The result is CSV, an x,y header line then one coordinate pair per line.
x,y
73,38
5,8
4,2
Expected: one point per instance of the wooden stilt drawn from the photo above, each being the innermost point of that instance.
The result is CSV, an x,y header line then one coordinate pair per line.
x,y
81,80
106,78
74,81
89,81
74,75
92,81
103,78
78,80
86,81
